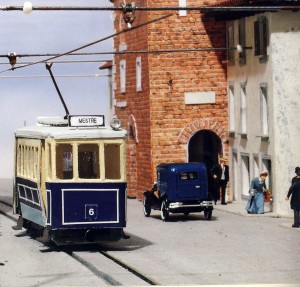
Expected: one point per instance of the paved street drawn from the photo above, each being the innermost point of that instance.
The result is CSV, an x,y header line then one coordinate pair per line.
x,y
232,248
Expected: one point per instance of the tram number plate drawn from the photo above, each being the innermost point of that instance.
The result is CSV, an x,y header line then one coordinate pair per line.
x,y
91,211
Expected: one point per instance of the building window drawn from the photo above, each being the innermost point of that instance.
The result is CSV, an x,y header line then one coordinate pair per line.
x,y
242,41
243,110
256,165
182,3
264,110
230,43
267,165
245,174
231,108
138,74
261,38
123,76
235,180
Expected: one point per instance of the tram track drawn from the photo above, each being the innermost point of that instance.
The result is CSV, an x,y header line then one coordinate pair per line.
x,y
4,207
105,276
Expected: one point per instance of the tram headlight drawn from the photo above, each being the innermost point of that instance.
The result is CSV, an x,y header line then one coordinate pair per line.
x,y
115,124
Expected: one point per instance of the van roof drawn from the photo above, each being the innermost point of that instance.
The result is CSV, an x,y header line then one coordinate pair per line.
x,y
181,164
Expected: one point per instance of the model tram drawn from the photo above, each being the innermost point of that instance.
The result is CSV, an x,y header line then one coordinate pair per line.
x,y
70,179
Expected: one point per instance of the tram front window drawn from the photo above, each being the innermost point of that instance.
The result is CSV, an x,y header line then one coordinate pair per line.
x,y
88,161
112,161
64,161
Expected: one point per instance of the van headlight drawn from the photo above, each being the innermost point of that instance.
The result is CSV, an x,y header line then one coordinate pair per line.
x,y
115,124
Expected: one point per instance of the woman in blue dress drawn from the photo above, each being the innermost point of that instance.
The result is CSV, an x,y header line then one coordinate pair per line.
x,y
258,187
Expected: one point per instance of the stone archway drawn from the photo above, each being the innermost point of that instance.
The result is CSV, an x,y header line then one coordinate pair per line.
x,y
202,124
205,146
206,141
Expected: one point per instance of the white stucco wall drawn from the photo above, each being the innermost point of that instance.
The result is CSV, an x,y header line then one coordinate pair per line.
x,y
285,59
281,74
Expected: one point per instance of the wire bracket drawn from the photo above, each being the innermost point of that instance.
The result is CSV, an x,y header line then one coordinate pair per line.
x,y
128,13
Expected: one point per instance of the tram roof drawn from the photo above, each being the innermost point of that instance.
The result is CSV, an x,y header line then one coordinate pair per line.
x,y
66,132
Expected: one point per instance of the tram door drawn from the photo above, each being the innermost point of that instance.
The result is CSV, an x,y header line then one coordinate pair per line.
x,y
205,146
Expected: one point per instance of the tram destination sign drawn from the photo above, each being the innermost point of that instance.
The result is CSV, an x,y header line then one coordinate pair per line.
x,y
86,121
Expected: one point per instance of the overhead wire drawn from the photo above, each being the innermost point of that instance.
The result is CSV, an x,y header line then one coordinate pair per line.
x,y
121,52
60,62
160,8
57,76
90,44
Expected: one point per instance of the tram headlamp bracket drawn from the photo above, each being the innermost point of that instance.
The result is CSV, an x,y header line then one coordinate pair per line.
x,y
115,124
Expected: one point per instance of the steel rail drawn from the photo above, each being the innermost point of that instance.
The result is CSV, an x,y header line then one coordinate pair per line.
x,y
2,202
129,268
167,8
106,277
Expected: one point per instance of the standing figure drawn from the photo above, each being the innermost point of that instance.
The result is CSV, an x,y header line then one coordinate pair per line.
x,y
220,174
294,191
258,187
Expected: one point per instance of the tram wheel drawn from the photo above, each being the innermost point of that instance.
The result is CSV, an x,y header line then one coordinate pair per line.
x,y
164,212
147,208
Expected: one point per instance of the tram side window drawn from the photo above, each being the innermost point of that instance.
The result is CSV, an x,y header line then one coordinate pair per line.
x,y
28,161
49,159
64,161
88,161
112,161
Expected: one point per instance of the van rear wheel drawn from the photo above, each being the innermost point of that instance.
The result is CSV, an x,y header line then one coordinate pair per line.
x,y
207,214
164,212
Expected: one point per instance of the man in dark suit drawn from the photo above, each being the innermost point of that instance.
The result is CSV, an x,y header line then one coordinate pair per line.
x,y
220,174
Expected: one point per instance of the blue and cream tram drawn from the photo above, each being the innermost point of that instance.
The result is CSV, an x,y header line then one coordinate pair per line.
x,y
70,179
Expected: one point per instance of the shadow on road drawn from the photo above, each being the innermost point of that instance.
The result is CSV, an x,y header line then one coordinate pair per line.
x,y
133,243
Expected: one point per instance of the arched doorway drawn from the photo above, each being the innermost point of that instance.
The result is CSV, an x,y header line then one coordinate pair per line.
x,y
205,146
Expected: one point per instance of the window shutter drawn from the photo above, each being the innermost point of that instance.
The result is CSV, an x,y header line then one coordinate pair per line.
x,y
264,44
256,38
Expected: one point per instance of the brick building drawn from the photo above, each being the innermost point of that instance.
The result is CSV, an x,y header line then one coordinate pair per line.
x,y
174,104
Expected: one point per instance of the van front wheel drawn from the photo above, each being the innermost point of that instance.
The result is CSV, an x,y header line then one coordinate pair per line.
x,y
147,208
164,212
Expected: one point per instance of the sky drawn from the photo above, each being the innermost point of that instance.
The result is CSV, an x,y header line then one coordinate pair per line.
x,y
24,94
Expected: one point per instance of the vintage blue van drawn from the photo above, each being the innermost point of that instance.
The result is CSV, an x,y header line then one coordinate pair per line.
x,y
180,188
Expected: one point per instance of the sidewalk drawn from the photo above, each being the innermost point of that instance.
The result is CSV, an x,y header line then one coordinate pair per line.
x,y
239,208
